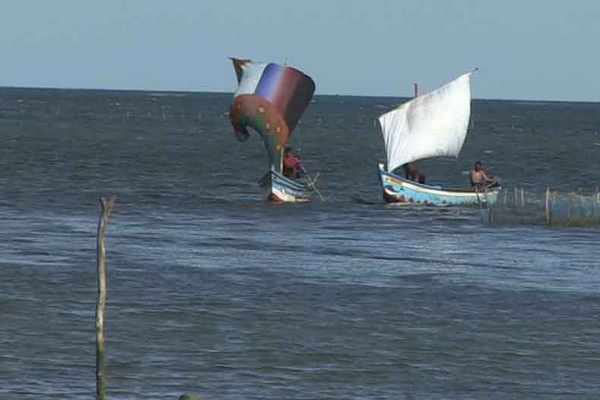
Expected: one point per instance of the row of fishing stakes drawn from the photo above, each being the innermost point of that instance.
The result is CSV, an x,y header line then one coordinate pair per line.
x,y
519,198
551,206
130,114
165,114
573,201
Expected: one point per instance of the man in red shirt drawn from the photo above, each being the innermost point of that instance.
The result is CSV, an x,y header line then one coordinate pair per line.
x,y
292,166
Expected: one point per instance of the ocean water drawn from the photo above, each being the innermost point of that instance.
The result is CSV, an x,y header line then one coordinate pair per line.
x,y
213,292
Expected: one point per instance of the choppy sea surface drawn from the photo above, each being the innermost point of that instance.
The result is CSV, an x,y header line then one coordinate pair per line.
x,y
213,292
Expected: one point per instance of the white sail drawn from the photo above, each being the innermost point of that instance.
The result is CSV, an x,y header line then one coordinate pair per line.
x,y
252,72
432,125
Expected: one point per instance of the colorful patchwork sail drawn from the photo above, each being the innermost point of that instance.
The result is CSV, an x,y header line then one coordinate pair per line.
x,y
270,99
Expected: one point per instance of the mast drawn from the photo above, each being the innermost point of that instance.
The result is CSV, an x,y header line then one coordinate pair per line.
x,y
416,89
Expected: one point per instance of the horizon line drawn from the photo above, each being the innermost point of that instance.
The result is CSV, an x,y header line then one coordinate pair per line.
x,y
316,94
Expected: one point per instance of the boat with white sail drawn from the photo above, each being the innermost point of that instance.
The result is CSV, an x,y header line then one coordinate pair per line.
x,y
429,126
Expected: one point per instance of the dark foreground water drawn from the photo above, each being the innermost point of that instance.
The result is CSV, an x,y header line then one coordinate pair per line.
x,y
213,292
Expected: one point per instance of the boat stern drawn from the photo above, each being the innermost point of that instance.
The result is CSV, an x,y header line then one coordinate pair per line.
x,y
279,189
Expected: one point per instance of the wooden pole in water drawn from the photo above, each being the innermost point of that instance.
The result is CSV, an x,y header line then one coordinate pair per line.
x,y
548,220
522,198
107,204
593,201
505,198
480,205
597,203
569,201
490,208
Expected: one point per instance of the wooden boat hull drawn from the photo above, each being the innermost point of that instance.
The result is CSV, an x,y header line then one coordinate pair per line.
x,y
397,189
279,189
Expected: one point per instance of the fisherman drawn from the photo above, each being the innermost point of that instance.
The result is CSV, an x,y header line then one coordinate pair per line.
x,y
414,173
292,166
479,178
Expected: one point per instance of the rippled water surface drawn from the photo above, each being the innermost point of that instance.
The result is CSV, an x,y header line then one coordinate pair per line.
x,y
212,291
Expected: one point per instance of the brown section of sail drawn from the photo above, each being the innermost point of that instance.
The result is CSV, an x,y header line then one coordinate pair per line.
x,y
237,64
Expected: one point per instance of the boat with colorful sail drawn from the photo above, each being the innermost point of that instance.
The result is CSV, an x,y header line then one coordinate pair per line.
x,y
270,99
428,126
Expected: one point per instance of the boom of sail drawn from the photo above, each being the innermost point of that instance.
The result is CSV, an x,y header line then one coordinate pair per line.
x,y
270,98
432,125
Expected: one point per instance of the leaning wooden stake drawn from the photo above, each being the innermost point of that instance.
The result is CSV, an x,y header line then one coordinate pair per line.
x,y
107,206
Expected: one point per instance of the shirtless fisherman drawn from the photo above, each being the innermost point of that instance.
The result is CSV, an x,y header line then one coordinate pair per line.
x,y
479,178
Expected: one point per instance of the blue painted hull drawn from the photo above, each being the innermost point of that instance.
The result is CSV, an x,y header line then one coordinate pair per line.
x,y
278,188
397,189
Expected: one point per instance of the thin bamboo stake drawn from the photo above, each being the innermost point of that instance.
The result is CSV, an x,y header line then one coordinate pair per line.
x,y
107,206
569,203
593,210
505,198
516,196
548,220
489,208
596,205
598,202
480,205
522,199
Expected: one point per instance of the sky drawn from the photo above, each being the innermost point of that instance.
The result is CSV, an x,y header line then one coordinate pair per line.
x,y
524,49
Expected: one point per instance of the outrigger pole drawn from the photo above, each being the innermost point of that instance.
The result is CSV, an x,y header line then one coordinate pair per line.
x,y
311,184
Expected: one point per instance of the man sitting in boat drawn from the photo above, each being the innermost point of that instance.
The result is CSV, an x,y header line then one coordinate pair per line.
x,y
292,166
479,178
414,173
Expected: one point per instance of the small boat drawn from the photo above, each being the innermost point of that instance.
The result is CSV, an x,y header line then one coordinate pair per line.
x,y
278,188
270,99
428,126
